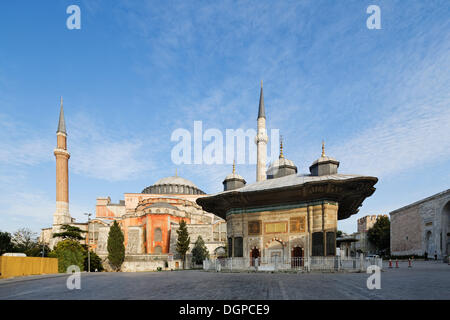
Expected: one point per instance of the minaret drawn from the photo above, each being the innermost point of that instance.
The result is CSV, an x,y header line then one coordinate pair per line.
x,y
261,140
62,215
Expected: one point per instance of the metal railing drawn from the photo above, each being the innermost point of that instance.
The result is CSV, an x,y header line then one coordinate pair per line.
x,y
327,264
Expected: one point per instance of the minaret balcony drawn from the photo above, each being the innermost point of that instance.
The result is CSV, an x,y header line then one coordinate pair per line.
x,y
61,152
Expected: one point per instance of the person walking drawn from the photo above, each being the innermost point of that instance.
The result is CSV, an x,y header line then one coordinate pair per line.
x,y
426,255
435,256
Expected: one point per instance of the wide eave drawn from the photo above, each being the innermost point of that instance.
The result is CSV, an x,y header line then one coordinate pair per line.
x,y
349,192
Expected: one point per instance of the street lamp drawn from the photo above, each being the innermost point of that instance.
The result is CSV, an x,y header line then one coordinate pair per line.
x,y
88,241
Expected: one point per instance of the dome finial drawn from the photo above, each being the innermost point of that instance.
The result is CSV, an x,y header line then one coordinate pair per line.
x,y
323,148
176,172
281,147
234,166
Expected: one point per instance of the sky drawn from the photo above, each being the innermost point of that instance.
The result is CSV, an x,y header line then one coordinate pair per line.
x,y
138,70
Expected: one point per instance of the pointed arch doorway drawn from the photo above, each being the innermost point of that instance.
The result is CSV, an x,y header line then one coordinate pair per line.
x,y
297,254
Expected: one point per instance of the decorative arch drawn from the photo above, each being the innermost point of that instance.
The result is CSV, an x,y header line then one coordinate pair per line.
x,y
283,243
445,235
275,254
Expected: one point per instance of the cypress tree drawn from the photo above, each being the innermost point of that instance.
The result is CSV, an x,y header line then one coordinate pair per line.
x,y
199,252
183,240
116,248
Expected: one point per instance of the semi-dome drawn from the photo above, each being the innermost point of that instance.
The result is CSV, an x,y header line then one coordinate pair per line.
x,y
173,185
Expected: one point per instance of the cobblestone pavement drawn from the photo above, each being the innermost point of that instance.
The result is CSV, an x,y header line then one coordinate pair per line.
x,y
425,280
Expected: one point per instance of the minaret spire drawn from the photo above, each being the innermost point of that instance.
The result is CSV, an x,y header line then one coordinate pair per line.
x,y
234,166
61,123
261,111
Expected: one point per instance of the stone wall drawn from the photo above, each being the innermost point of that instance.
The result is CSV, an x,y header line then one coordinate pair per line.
x,y
406,231
422,227
277,231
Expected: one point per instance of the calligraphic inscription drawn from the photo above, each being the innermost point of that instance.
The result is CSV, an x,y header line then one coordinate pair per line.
x,y
276,227
297,224
254,227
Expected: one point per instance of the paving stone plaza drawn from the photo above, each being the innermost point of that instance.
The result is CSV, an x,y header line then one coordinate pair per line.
x,y
425,280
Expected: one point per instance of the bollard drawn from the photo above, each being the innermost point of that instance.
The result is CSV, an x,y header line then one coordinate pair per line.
x,y
409,263
390,263
396,263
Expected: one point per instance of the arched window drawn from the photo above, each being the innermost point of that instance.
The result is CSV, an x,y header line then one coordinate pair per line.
x,y
157,235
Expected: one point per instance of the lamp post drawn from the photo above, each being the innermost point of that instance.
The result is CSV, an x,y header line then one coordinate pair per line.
x,y
88,241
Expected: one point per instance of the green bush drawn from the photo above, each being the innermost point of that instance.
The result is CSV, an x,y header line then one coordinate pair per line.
x,y
68,252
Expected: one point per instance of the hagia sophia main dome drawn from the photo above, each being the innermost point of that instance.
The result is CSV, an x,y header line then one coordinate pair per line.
x,y
173,185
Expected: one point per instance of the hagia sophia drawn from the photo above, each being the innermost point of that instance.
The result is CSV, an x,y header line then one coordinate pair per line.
x,y
283,215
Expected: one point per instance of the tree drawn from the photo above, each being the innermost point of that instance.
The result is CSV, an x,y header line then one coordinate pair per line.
x,y
69,252
24,239
183,240
379,234
116,248
96,262
199,252
69,232
36,250
339,234
6,244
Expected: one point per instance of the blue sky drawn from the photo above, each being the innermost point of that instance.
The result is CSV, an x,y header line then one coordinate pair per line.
x,y
138,70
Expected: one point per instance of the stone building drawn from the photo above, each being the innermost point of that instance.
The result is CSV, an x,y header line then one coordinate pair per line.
x,y
358,243
286,215
367,222
423,226
149,219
